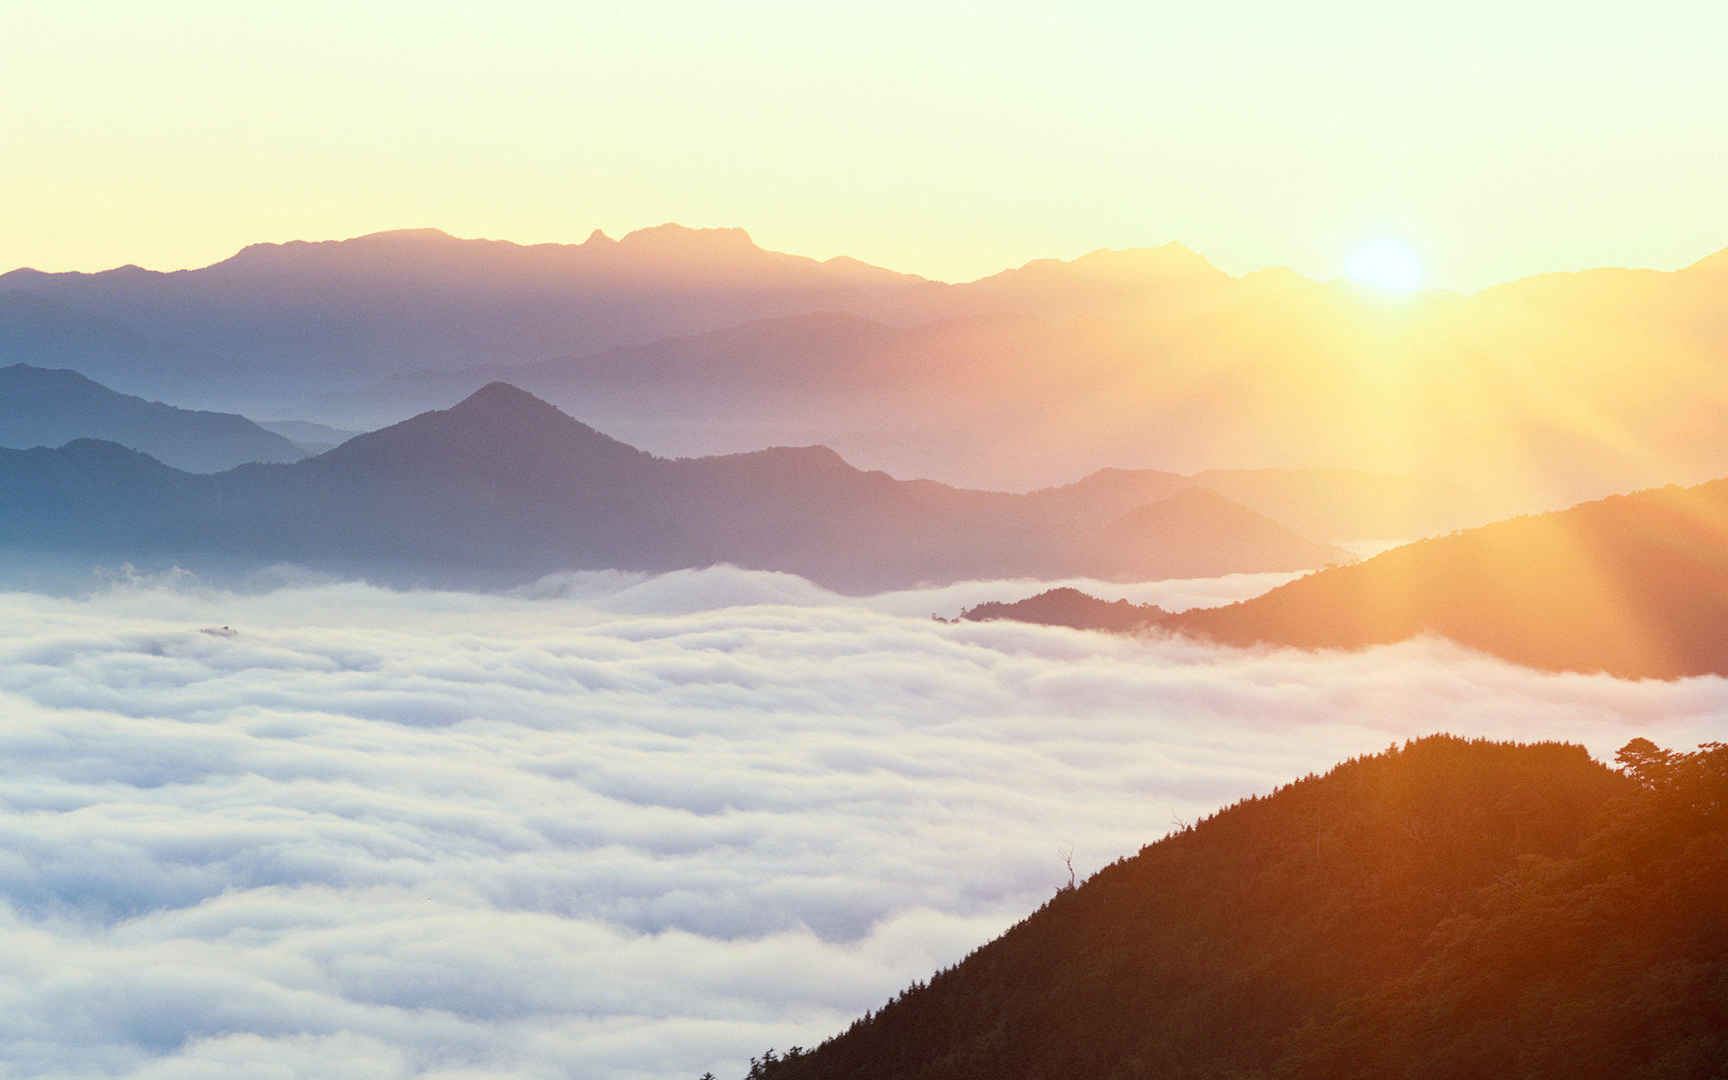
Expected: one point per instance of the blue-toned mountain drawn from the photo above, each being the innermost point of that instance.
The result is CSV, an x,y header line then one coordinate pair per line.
x,y
48,407
503,488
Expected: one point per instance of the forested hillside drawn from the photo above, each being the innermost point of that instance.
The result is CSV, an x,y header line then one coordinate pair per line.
x,y
1453,909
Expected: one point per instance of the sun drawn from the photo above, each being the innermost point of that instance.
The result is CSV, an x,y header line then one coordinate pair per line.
x,y
1387,268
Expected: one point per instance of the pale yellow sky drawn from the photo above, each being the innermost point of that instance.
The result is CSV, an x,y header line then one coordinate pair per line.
x,y
1493,139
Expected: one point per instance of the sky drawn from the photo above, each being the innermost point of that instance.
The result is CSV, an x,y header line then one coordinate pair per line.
x,y
616,826
1490,139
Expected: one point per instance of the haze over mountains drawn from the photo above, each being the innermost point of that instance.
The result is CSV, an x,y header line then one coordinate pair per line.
x,y
310,437
1535,393
1421,415
503,488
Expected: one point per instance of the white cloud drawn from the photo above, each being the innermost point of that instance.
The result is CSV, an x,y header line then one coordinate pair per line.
x,y
614,826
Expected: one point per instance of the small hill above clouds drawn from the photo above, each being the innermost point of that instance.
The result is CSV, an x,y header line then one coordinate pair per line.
x,y
48,407
1071,608
1448,910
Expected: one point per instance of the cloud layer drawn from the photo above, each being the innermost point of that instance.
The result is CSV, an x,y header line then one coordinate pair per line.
x,y
615,826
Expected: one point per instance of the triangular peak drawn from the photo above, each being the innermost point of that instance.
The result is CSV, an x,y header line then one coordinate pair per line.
x,y
500,394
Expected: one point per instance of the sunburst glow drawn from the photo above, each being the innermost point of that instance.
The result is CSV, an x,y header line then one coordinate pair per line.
x,y
1386,267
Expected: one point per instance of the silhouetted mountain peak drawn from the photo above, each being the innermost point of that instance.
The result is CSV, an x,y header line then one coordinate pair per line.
x,y
389,236
1067,606
1168,260
499,428
1195,499
498,396
502,411
674,239
24,275
1109,271
30,374
598,238
1194,508
44,387
387,243
803,458
1113,474
104,456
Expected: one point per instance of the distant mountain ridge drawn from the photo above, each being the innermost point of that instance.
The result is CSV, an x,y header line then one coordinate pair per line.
x,y
311,438
419,299
1632,585
44,407
504,487
695,342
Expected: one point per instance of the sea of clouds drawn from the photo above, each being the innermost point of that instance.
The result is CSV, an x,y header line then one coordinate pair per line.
x,y
616,826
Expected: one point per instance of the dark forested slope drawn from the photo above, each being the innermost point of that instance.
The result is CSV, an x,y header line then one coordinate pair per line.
x,y
1450,909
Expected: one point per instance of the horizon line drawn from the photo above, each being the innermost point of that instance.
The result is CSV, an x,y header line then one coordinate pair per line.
x,y
600,235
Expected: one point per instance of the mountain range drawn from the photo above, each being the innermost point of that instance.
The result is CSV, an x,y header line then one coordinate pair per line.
x,y
275,315
1534,394
503,488
47,407
1447,910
